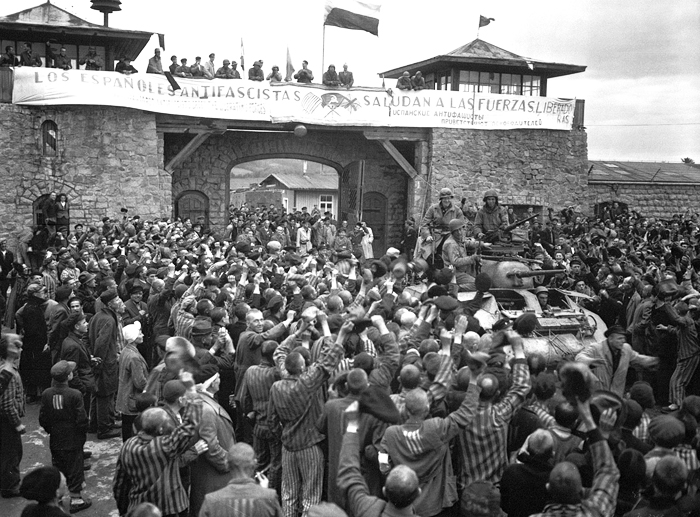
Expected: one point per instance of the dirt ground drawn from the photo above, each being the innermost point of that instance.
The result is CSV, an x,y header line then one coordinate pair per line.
x,y
98,479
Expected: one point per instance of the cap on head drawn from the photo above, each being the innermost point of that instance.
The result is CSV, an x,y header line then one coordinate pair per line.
x,y
41,484
61,370
615,329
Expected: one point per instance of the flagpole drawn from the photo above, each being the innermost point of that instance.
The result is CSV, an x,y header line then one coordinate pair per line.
x,y
323,50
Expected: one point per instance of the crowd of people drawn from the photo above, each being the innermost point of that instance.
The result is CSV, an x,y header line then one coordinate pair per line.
x,y
178,68
277,367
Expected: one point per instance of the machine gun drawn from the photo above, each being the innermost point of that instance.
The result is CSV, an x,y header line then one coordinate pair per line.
x,y
495,235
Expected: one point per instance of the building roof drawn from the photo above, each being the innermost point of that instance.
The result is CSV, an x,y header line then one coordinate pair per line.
x,y
642,172
49,22
306,182
479,55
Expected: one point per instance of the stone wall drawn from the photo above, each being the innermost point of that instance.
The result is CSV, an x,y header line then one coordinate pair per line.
x,y
107,158
649,200
113,157
207,169
526,167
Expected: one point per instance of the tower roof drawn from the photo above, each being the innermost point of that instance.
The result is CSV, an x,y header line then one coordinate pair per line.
x,y
49,22
480,55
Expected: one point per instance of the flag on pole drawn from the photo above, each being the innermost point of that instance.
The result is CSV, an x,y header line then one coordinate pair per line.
x,y
484,21
242,56
290,67
353,14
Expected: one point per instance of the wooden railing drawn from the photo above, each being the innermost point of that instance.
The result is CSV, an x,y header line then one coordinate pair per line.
x,y
6,82
579,114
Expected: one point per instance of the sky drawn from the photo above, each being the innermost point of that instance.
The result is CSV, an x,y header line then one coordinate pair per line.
x,y
641,87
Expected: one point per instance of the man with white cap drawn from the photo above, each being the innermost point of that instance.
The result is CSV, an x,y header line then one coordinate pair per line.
x,y
133,374
211,471
63,416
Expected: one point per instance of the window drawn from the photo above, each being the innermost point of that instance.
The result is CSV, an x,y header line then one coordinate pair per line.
x,y
531,85
49,138
489,82
443,80
468,81
325,203
38,209
492,82
511,84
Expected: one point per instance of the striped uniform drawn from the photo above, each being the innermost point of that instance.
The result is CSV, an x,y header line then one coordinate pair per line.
x,y
689,456
436,391
185,319
296,403
11,410
147,467
642,430
425,447
484,440
255,393
688,357
602,496
50,279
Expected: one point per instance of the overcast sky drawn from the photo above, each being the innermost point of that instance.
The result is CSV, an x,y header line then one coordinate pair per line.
x,y
642,85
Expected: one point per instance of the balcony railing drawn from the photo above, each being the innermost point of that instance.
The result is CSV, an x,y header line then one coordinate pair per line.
x,y
6,85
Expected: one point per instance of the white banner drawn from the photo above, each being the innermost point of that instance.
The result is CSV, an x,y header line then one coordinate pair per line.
x,y
290,102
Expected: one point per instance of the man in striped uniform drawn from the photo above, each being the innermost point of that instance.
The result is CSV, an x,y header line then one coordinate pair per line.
x,y
255,397
296,403
147,467
566,492
11,412
423,444
483,441
242,497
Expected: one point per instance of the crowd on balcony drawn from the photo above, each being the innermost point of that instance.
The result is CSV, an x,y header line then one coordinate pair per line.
x,y
277,367
178,68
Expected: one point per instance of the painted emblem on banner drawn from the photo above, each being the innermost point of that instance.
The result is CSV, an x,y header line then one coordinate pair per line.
x,y
333,103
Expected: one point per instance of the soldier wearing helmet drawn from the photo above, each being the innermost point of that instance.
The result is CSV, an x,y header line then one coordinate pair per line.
x,y
491,218
456,256
435,227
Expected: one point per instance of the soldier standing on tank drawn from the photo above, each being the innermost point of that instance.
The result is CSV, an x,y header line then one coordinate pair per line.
x,y
435,228
490,219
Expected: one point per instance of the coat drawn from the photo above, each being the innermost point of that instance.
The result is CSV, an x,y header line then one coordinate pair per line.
x,y
606,378
242,498
63,416
104,339
73,349
210,471
6,265
133,374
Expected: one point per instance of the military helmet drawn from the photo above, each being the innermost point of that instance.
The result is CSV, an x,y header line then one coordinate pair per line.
x,y
456,224
491,193
445,192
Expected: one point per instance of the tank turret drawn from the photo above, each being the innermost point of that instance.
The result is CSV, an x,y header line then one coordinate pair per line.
x,y
514,274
